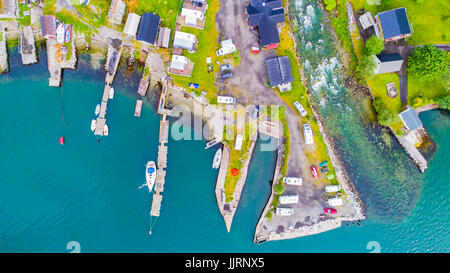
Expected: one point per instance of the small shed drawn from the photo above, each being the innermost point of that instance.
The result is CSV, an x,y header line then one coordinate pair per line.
x,y
132,24
388,63
367,20
148,28
164,37
238,142
410,119
184,40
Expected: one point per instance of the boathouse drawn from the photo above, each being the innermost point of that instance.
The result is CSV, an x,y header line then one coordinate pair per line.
x,y
48,23
132,24
280,73
392,25
265,15
410,119
148,28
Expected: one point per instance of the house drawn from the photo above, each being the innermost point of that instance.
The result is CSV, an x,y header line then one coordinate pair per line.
x,y
392,25
410,119
265,15
280,73
180,65
132,24
192,18
184,40
388,63
116,12
148,28
48,23
164,37
367,20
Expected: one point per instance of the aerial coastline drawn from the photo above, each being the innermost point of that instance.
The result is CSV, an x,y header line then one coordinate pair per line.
x,y
295,158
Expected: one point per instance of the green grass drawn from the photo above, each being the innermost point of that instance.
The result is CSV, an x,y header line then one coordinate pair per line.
x,y
378,88
430,89
429,19
207,47
166,9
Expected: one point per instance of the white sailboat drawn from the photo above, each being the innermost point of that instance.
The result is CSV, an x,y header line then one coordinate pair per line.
x,y
150,174
93,124
217,158
111,93
97,109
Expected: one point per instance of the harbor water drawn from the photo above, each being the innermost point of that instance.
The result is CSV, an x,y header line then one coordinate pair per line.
x,y
87,192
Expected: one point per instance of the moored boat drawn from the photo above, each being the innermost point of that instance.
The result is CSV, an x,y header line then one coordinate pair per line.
x,y
97,109
60,33
217,158
150,174
93,124
111,93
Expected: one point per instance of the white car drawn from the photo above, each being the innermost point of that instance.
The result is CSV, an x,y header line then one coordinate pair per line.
x,y
226,99
300,109
292,180
308,134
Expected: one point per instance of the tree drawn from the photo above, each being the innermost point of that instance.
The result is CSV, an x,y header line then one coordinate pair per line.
x,y
428,63
374,45
367,66
329,4
444,102
385,117
279,189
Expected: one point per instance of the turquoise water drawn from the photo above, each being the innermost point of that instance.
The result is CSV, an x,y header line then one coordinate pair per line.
x,y
88,192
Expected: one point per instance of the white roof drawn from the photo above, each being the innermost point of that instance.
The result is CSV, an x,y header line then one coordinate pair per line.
x,y
292,180
132,24
332,188
238,143
198,15
288,199
366,20
335,201
184,40
178,62
284,211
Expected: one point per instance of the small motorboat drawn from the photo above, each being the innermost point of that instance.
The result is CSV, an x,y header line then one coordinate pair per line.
x,y
217,158
97,109
105,130
93,124
111,93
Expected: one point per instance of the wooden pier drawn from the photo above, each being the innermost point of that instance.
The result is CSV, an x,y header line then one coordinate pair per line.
x,y
162,154
138,108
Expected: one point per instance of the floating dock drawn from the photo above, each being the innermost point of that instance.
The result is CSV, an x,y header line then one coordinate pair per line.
x,y
27,46
3,51
138,108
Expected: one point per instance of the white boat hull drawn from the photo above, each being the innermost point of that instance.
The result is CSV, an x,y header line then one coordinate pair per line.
x,y
217,158
111,93
150,174
93,125
97,110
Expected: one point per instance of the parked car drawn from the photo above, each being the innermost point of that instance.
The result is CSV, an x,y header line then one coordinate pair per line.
x,y
226,99
330,210
308,134
226,75
314,172
225,67
300,109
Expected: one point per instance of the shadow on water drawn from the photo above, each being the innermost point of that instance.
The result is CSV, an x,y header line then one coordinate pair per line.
x,y
386,178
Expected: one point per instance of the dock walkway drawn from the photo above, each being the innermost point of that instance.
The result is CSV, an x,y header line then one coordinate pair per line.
x,y
3,51
27,46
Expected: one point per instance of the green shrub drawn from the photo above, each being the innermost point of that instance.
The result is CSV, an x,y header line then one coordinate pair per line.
x,y
329,4
279,189
374,45
444,102
428,63
367,66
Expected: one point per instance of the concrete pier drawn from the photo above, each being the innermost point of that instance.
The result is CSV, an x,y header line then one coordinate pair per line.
x,y
3,51
27,46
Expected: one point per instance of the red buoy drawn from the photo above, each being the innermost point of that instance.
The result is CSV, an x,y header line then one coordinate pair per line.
x,y
234,172
62,140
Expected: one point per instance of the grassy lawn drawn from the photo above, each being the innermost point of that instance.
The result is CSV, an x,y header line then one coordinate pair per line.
x,y
430,89
378,88
166,9
207,47
24,20
429,19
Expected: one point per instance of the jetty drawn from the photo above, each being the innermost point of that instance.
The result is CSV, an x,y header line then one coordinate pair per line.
x,y
162,155
27,46
112,63
138,108
3,51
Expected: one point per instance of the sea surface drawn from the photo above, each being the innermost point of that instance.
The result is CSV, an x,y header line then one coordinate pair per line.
x,y
88,193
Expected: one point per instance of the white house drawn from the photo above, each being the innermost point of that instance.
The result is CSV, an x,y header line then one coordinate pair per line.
x,y
192,16
184,40
132,24
179,62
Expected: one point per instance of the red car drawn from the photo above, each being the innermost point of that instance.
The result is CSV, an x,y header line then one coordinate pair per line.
x,y
314,172
330,210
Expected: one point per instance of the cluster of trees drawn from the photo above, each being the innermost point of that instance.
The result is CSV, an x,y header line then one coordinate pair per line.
x,y
444,102
330,4
428,63
367,64
385,116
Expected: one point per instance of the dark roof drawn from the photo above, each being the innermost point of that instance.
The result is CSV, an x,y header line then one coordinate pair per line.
x,y
48,23
148,29
389,57
279,70
394,23
266,14
411,119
